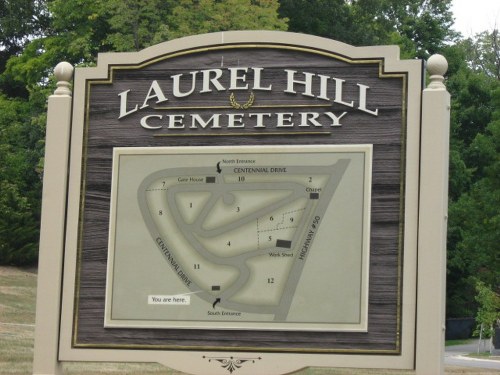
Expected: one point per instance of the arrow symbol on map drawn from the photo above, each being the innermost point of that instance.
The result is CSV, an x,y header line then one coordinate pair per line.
x,y
218,168
216,302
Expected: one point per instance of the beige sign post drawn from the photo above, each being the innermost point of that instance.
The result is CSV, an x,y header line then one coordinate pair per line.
x,y
248,202
51,252
433,220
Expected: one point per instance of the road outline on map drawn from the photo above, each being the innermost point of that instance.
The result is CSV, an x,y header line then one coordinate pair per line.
x,y
302,240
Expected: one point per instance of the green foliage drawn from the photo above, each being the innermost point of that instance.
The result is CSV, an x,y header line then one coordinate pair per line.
x,y
483,53
20,184
204,16
474,215
472,104
426,23
488,313
20,21
77,32
326,18
419,27
136,24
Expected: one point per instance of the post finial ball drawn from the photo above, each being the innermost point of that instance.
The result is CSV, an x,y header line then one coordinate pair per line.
x,y
437,65
63,71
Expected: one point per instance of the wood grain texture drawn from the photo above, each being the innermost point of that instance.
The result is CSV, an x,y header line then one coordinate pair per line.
x,y
385,132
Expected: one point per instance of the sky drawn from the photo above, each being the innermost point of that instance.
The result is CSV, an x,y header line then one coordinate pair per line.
x,y
474,16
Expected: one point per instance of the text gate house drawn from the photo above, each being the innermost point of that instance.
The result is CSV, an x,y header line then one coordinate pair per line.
x,y
248,203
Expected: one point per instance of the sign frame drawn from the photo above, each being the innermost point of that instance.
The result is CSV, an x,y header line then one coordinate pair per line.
x,y
234,178
197,360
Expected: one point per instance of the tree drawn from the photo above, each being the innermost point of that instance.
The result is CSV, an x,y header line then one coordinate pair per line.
x,y
136,24
425,23
419,27
488,313
474,218
77,32
20,21
484,53
326,18
21,148
205,16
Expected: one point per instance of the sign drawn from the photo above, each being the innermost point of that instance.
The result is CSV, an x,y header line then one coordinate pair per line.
x,y
244,198
240,234
328,89
174,146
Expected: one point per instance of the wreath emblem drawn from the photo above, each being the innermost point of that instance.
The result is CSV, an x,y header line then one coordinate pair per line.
x,y
236,105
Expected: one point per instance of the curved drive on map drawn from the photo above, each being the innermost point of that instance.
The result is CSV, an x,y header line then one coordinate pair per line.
x,y
247,237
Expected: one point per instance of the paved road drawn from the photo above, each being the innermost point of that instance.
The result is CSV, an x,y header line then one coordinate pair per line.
x,y
456,356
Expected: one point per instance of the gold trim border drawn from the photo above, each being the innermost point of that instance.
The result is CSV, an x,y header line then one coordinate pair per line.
x,y
239,349
248,134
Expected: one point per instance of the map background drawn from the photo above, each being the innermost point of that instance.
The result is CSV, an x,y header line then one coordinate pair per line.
x,y
334,277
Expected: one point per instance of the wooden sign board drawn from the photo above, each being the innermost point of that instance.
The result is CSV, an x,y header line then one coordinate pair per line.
x,y
244,201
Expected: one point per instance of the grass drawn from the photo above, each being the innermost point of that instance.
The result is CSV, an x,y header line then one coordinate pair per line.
x,y
17,317
484,355
481,355
457,342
